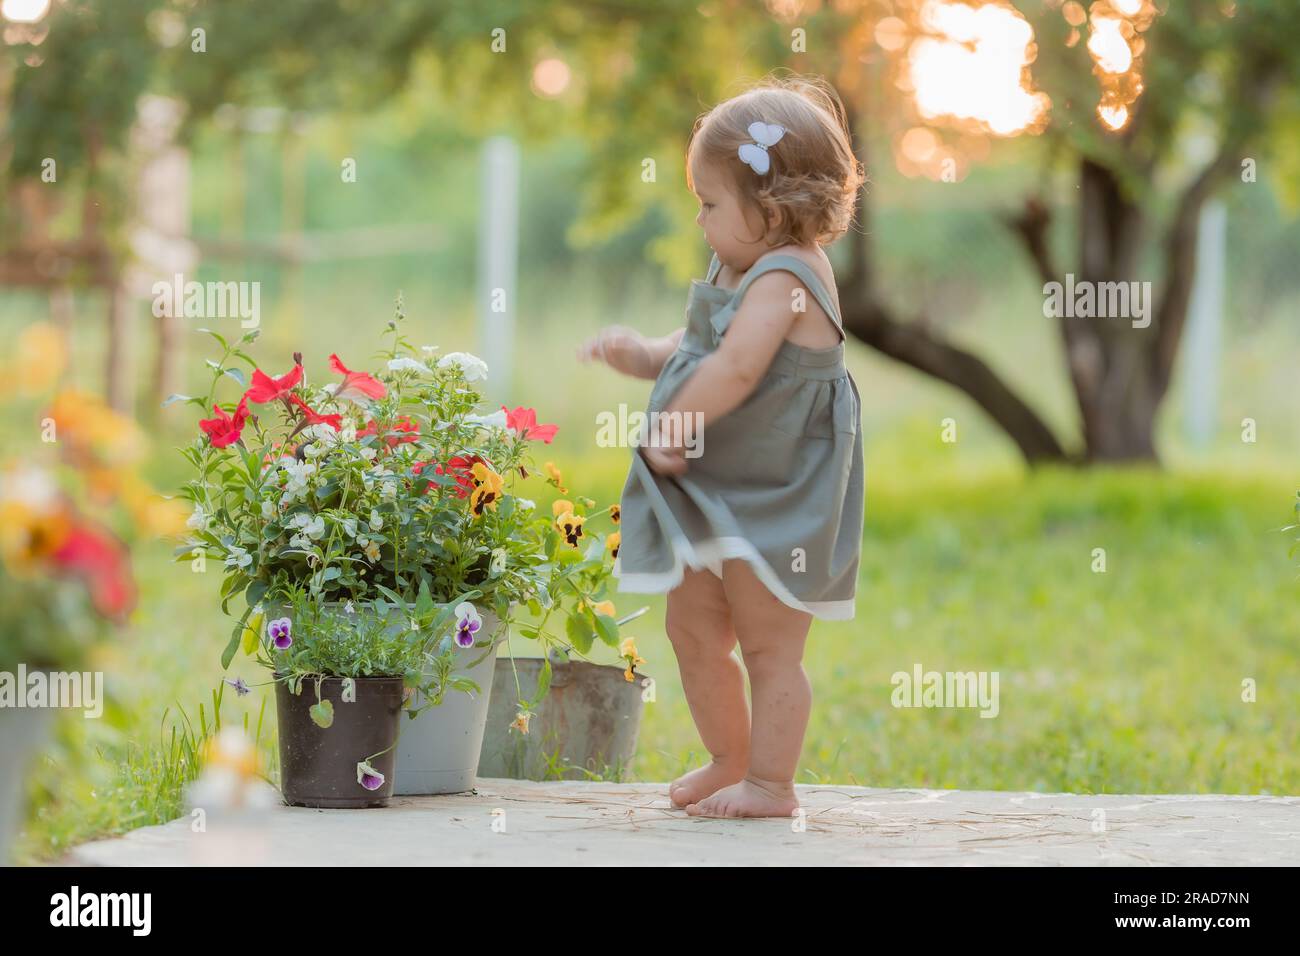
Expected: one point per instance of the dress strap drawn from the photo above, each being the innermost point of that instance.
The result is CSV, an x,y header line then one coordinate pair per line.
x,y
715,266
807,276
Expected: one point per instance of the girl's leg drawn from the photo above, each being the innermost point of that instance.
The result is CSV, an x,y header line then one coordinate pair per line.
x,y
772,637
699,625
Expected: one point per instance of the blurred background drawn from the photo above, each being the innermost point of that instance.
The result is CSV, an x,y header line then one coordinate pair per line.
x,y
339,152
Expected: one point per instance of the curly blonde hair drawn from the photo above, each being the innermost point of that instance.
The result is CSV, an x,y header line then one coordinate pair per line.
x,y
808,194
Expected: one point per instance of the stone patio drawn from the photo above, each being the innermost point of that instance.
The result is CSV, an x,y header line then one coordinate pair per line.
x,y
523,822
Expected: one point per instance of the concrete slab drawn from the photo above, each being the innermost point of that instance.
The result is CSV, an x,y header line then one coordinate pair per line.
x,y
568,823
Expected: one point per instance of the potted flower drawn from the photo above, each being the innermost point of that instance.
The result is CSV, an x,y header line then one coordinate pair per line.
x,y
574,713
70,503
370,512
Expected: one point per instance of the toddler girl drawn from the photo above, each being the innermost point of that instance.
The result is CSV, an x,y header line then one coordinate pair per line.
x,y
745,496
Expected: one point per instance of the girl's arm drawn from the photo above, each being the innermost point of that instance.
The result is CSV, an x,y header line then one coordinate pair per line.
x,y
728,375
628,351
662,348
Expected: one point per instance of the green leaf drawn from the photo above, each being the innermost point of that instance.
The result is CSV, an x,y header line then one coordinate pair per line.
x,y
607,628
176,397
256,591
322,713
579,633
543,684
424,602
237,375
236,636
219,339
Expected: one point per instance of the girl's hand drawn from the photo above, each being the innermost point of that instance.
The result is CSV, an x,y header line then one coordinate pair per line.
x,y
665,461
662,454
621,348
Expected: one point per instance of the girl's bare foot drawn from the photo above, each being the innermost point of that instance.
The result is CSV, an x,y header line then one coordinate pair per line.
x,y
702,782
748,798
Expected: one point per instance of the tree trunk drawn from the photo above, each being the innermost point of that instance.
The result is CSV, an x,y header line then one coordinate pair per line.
x,y
1108,356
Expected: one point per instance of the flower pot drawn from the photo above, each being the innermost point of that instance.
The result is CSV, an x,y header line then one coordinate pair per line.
x,y
438,751
23,732
589,720
318,765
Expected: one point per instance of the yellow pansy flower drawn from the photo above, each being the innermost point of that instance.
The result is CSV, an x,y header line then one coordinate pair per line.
x,y
627,651
487,489
553,475
570,526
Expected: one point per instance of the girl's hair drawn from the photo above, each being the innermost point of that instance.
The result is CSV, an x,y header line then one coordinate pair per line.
x,y
808,193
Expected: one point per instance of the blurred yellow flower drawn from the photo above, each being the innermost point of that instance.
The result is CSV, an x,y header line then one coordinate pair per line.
x,y
34,519
40,356
612,541
600,607
91,429
560,506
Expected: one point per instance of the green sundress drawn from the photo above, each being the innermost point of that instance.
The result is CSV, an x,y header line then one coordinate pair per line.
x,y
780,481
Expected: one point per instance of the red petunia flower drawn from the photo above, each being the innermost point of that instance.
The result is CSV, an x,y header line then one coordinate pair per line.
x,y
312,418
266,389
460,467
356,385
523,422
225,429
393,438
101,562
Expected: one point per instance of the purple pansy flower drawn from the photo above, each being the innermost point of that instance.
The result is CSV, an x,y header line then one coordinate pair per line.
x,y
467,624
368,776
238,683
281,632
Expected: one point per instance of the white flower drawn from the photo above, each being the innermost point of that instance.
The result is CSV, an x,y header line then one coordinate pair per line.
x,y
200,520
348,608
405,363
310,528
376,520
368,454
349,432
238,558
496,420
428,349
314,450
298,473
525,504
475,368
372,551
268,510
350,527
322,433
388,489
498,560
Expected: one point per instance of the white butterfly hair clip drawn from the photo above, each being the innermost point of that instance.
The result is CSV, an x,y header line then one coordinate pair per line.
x,y
754,154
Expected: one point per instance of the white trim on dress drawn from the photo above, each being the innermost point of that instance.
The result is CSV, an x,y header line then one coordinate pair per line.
x,y
710,554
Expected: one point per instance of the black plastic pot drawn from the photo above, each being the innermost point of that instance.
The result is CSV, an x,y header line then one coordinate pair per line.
x,y
318,765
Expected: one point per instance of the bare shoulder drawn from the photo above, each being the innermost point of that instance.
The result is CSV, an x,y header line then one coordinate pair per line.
x,y
813,328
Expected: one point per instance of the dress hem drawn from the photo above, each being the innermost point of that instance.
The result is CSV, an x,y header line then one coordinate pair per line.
x,y
710,554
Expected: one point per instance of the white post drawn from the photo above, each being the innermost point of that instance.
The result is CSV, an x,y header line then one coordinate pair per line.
x,y
498,261
1205,327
